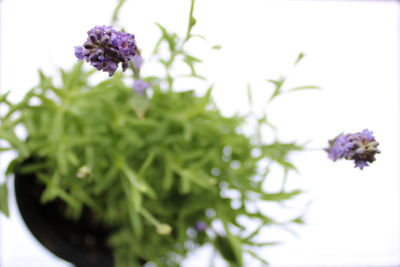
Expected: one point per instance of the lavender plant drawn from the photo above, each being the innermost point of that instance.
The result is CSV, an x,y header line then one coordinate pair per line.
x,y
153,169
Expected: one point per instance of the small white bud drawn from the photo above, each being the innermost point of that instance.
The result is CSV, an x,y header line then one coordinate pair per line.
x,y
84,172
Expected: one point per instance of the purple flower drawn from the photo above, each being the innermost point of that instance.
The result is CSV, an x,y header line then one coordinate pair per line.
x,y
201,226
366,136
360,147
126,44
106,65
105,48
140,86
137,61
360,163
79,52
339,147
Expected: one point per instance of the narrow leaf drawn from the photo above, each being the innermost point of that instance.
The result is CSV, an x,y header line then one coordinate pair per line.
x,y
299,58
281,195
249,95
306,87
278,86
229,248
3,97
254,255
4,199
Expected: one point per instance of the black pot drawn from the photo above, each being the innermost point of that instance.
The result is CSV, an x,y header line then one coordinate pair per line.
x,y
82,243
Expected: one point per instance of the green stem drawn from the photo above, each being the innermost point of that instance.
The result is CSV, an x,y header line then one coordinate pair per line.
x,y
162,228
149,217
191,21
114,18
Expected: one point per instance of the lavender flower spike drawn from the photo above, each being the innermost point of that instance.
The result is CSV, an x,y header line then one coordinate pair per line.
x,y
360,147
105,48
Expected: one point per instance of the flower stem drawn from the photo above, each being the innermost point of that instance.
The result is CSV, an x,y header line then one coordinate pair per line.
x,y
114,18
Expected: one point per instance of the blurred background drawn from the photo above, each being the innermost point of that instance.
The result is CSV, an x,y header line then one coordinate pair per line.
x,y
352,52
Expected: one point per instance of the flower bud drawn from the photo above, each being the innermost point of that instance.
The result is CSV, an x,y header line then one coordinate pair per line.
x,y
84,172
164,229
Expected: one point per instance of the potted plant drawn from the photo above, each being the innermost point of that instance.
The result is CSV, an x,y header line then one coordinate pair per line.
x,y
114,174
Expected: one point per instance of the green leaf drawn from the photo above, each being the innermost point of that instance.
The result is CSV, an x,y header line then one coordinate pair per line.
x,y
306,87
4,200
3,97
249,95
146,164
264,120
299,220
281,196
192,58
155,50
254,233
73,79
116,10
136,223
189,176
48,103
286,165
278,87
254,255
190,65
192,20
53,191
216,47
230,248
168,178
80,141
106,180
170,38
198,36
131,137
15,142
135,200
299,58
32,167
184,185
13,166
45,82
141,185
187,131
265,244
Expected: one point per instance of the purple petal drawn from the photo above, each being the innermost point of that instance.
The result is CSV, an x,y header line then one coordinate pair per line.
x,y
201,226
79,52
366,135
140,86
360,163
137,61
125,65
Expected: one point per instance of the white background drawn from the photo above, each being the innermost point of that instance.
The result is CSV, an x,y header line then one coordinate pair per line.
x,y
351,52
